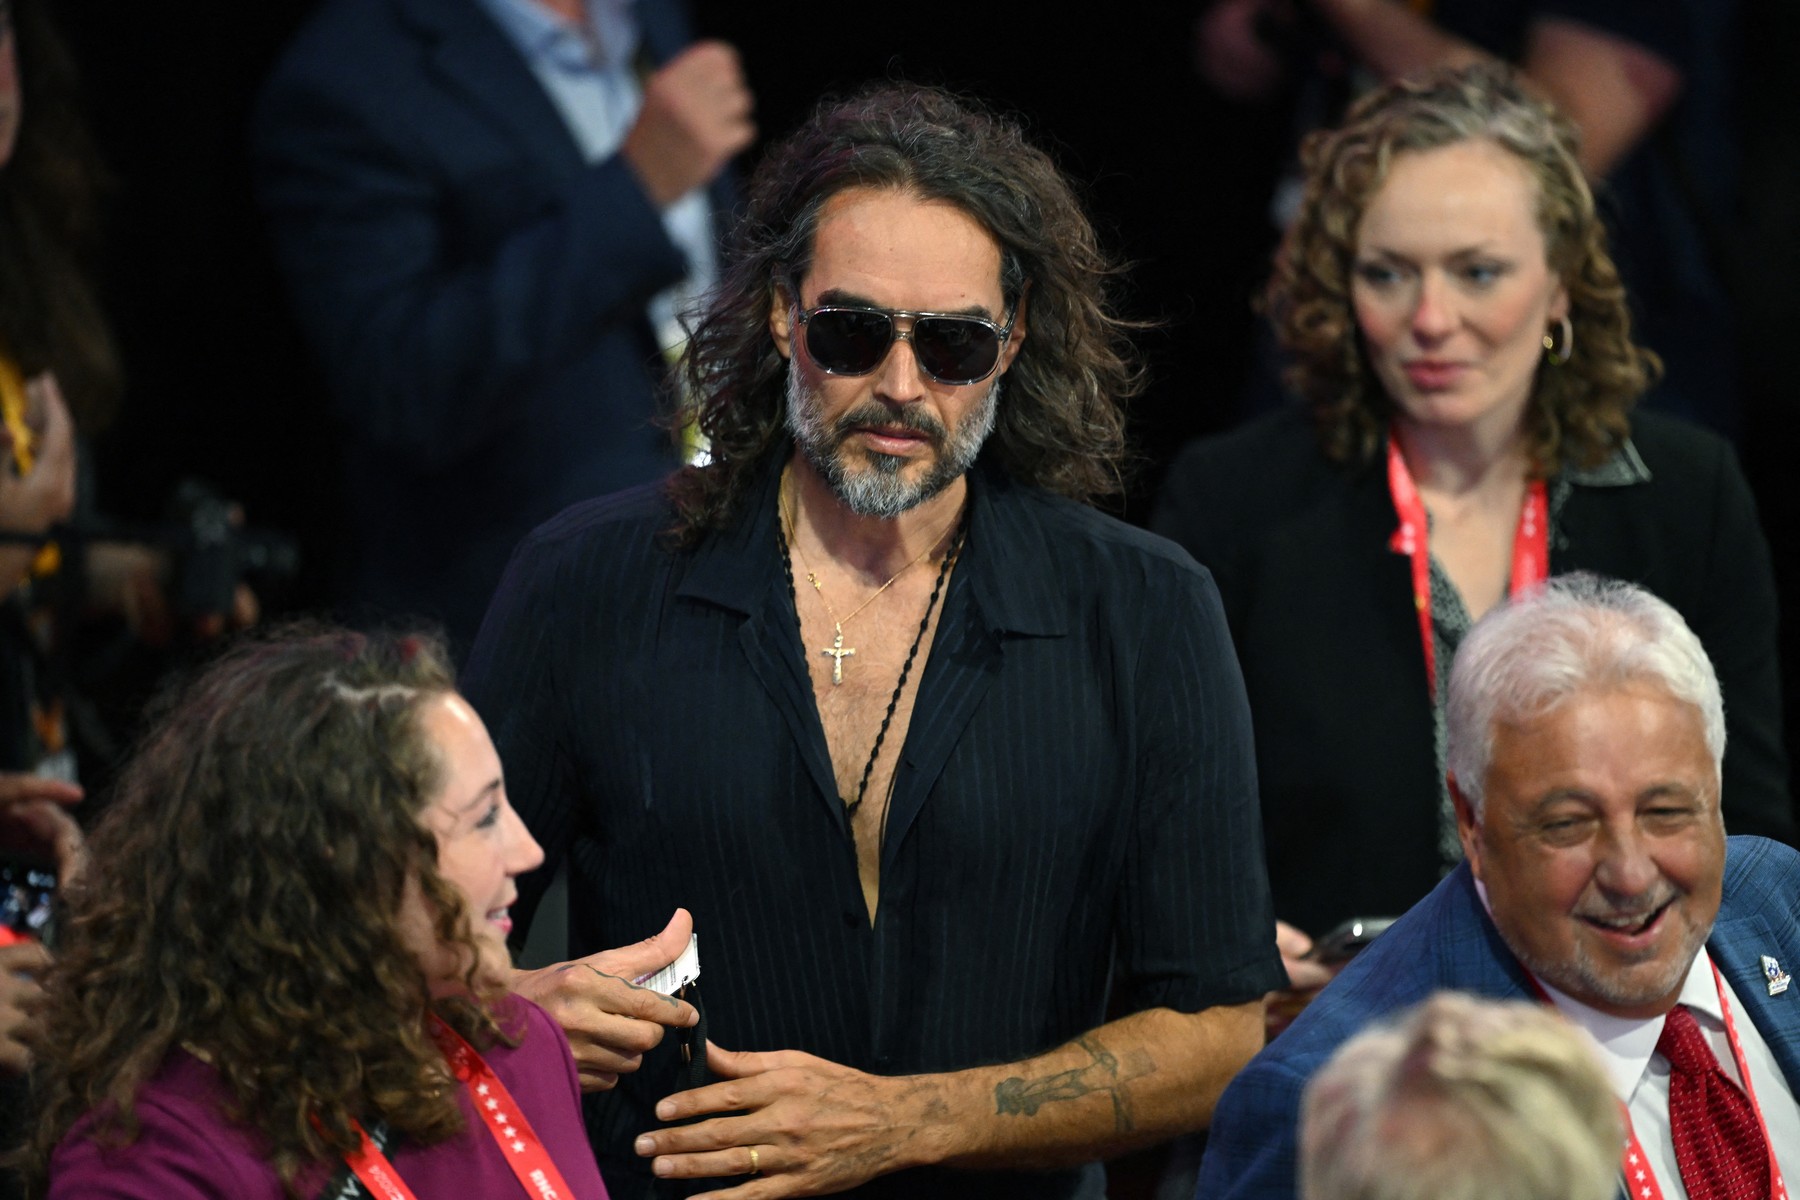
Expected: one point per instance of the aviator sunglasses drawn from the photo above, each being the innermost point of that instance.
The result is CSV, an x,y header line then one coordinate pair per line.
x,y
951,348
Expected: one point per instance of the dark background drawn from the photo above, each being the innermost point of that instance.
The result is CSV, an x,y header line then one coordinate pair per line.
x,y
219,384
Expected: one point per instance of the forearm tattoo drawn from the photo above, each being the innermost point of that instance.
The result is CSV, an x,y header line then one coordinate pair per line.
x,y
1018,1096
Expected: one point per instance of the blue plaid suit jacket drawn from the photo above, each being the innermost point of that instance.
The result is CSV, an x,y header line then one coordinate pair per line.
x,y
1448,941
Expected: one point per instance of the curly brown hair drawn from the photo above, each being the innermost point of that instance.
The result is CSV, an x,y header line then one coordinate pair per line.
x,y
244,901
1578,410
1061,424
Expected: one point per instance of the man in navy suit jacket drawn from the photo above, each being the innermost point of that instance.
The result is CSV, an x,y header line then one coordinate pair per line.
x,y
1585,739
474,266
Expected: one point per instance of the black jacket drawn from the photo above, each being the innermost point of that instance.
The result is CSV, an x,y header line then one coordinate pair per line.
x,y
1322,617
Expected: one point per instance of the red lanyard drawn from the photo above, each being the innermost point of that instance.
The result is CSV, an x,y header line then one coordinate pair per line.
x,y
1530,556
1640,1180
520,1146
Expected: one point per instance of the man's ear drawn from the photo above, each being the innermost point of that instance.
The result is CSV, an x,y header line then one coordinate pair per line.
x,y
1468,827
781,320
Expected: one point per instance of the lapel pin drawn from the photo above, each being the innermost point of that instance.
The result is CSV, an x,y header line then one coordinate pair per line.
x,y
1778,978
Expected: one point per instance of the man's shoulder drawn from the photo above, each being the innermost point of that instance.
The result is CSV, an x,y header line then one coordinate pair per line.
x,y
1761,875
632,522
1071,534
1444,941
340,38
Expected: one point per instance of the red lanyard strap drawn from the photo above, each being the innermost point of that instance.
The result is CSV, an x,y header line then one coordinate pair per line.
x,y
1640,1180
1530,556
504,1120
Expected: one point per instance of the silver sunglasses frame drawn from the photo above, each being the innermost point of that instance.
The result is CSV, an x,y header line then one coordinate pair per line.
x,y
804,316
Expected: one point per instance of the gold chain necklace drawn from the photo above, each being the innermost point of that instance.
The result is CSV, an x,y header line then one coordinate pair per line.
x,y
837,651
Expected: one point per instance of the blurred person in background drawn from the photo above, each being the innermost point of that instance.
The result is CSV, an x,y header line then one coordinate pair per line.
x,y
491,215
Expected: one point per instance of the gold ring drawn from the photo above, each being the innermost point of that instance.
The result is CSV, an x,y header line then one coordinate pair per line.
x,y
755,1161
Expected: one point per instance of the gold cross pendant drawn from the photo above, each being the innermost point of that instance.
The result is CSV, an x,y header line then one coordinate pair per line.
x,y
838,652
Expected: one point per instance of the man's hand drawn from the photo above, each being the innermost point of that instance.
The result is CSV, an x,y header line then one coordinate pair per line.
x,y
36,805
696,115
610,1021
20,996
817,1127
1305,977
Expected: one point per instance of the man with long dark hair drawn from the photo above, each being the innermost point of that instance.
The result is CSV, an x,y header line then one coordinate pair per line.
x,y
946,765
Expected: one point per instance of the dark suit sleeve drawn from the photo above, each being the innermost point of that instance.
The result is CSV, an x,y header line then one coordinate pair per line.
x,y
430,334
1251,1149
1738,628
513,682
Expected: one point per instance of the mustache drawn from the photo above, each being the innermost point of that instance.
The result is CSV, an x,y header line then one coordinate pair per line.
x,y
1635,909
879,416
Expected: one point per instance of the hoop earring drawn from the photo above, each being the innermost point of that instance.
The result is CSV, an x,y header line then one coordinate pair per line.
x,y
1568,338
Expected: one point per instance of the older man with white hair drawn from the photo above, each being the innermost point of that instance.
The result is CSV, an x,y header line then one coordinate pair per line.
x,y
1586,733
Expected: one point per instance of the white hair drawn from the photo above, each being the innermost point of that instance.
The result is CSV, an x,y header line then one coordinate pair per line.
x,y
1462,1098
1576,633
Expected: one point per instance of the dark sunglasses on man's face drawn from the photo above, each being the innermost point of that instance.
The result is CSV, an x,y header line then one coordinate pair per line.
x,y
951,348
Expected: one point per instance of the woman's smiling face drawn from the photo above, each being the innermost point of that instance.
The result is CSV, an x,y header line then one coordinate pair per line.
x,y
482,843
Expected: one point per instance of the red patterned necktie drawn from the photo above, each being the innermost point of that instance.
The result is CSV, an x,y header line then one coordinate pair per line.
x,y
1718,1140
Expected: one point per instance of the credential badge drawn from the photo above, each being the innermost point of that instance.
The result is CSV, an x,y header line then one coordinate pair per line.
x,y
1778,978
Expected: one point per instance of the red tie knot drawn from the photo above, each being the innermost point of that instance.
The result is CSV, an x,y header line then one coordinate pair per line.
x,y
1684,1045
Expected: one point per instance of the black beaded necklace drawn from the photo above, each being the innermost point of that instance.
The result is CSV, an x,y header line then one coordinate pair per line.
x,y
950,556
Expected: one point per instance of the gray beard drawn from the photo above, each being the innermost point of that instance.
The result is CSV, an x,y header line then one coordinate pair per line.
x,y
876,486
1583,979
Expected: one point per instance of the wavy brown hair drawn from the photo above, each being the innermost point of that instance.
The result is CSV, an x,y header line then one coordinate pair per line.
x,y
244,899
1061,423
50,318
1578,410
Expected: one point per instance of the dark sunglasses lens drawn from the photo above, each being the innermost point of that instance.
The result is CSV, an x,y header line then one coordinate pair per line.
x,y
955,349
848,341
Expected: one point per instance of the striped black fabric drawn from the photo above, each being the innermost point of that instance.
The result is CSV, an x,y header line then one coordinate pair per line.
x,y
1075,807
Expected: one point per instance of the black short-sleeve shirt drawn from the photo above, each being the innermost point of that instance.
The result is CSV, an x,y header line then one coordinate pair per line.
x,y
1074,818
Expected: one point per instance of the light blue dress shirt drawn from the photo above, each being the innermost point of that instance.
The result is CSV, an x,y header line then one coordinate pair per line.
x,y
590,73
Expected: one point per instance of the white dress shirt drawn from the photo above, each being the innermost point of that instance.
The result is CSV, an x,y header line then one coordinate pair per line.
x,y
1640,1076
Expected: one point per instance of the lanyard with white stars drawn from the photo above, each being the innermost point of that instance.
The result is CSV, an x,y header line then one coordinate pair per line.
x,y
519,1145
1640,1180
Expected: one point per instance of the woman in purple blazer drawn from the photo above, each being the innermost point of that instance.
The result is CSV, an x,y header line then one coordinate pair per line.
x,y
285,972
